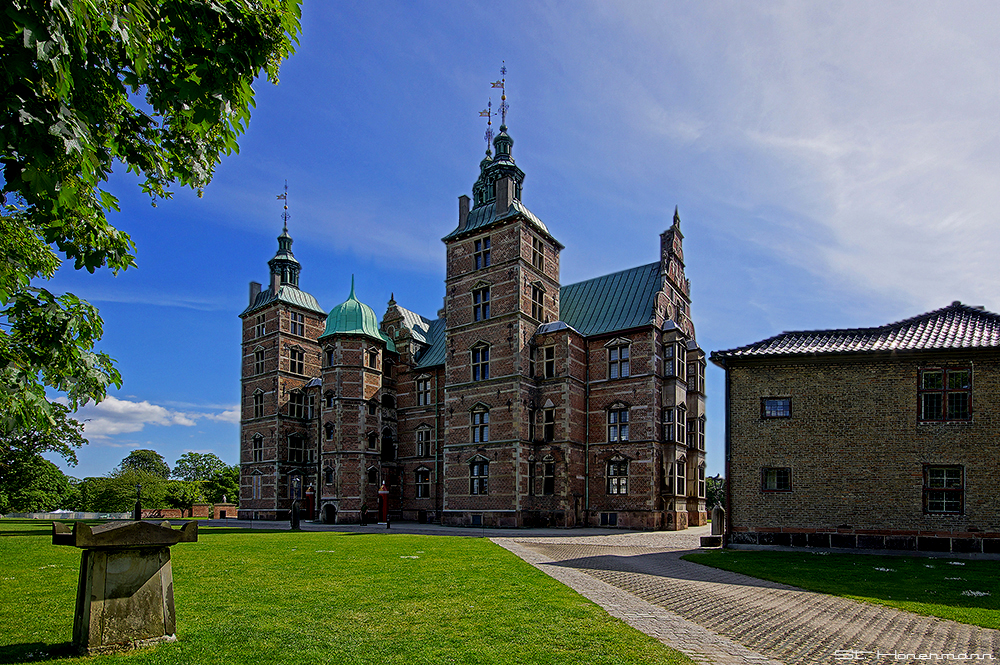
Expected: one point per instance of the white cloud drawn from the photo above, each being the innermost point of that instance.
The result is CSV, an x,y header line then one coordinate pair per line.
x,y
115,416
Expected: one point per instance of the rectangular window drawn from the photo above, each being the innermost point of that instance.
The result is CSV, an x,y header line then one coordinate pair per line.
x,y
481,363
258,362
479,476
481,304
692,377
681,351
296,361
481,256
550,361
668,360
618,425
297,405
668,423
423,481
945,394
701,433
537,303
329,358
944,489
258,405
298,452
257,486
531,361
538,254
681,479
298,323
618,362
549,424
776,407
480,426
609,519
548,478
776,479
258,449
371,359
531,478
423,442
692,433
423,392
330,400
618,477
259,328
329,429
701,482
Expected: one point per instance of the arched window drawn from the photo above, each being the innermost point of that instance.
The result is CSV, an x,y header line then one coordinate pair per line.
x,y
422,479
328,397
328,430
373,475
328,475
388,446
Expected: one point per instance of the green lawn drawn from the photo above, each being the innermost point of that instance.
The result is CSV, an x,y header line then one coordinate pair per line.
x,y
282,597
957,589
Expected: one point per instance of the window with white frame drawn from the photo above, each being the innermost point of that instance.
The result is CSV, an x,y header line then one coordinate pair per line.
x,y
258,361
618,424
618,361
775,407
257,448
538,254
537,303
371,358
297,323
776,479
481,363
617,475
422,480
944,489
258,404
423,442
423,392
480,426
479,476
296,361
256,486
481,253
681,420
481,304
259,328
668,423
681,477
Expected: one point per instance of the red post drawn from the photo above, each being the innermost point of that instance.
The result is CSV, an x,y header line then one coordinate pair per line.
x,y
383,503
311,502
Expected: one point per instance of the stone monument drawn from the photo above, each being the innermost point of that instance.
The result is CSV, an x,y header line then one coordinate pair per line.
x,y
125,597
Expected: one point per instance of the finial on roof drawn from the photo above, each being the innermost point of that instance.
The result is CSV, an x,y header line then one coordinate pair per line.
x,y
488,114
352,296
502,83
284,214
677,216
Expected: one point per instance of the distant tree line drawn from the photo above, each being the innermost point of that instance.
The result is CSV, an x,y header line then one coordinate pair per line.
x,y
30,483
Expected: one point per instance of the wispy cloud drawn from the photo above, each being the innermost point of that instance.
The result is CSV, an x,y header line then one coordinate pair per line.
x,y
115,416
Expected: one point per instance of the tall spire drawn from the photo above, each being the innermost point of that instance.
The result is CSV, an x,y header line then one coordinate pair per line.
x,y
284,266
493,169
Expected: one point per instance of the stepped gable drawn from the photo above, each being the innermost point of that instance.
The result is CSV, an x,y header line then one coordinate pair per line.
x,y
956,326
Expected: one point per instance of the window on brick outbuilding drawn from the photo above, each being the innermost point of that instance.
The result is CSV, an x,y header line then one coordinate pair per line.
x,y
776,479
944,489
776,407
945,394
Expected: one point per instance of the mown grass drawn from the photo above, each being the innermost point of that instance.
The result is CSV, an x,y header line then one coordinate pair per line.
x,y
282,597
941,587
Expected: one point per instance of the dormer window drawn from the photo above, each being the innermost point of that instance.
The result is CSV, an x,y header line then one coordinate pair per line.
x,y
481,255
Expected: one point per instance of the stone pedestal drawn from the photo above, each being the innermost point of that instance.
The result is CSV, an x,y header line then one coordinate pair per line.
x,y
125,596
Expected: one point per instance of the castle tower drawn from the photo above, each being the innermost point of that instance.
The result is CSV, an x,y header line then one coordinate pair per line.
x,y
280,356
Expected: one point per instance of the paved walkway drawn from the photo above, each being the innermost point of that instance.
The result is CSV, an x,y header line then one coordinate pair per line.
x,y
715,616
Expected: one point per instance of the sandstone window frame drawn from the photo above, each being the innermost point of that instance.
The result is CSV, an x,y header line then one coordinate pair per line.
x,y
480,361
775,479
702,486
258,403
256,485
775,408
422,482
372,440
617,475
618,421
297,324
299,451
258,360
619,359
548,424
481,253
328,475
479,416
328,430
548,476
330,399
296,360
371,358
549,361
537,301
944,394
479,476
481,303
260,326
257,448
538,254
372,475
423,438
298,405
944,489
423,389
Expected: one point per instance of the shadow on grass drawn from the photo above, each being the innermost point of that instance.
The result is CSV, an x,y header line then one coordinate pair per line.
x,y
30,652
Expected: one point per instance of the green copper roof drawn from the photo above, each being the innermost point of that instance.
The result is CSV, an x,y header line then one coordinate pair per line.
x,y
486,215
353,317
434,354
287,294
618,301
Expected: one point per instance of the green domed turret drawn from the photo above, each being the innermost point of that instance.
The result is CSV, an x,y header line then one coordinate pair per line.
x,y
353,317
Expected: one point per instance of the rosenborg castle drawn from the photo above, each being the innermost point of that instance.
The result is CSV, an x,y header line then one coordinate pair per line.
x,y
523,402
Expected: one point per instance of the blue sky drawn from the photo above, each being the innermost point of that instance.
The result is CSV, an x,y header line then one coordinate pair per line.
x,y
835,165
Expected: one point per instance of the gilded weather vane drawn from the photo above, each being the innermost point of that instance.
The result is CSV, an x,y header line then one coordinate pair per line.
x,y
488,113
503,94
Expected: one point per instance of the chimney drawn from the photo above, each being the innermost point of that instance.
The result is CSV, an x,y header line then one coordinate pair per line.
x,y
275,281
505,195
254,292
463,211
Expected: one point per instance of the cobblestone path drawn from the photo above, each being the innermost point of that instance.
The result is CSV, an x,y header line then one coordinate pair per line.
x,y
715,616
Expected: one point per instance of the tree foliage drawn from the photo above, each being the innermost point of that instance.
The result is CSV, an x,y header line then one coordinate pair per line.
x,y
29,483
63,438
224,483
116,492
162,87
148,461
197,466
715,491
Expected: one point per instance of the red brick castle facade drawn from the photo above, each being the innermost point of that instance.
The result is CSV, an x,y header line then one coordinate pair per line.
x,y
522,403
